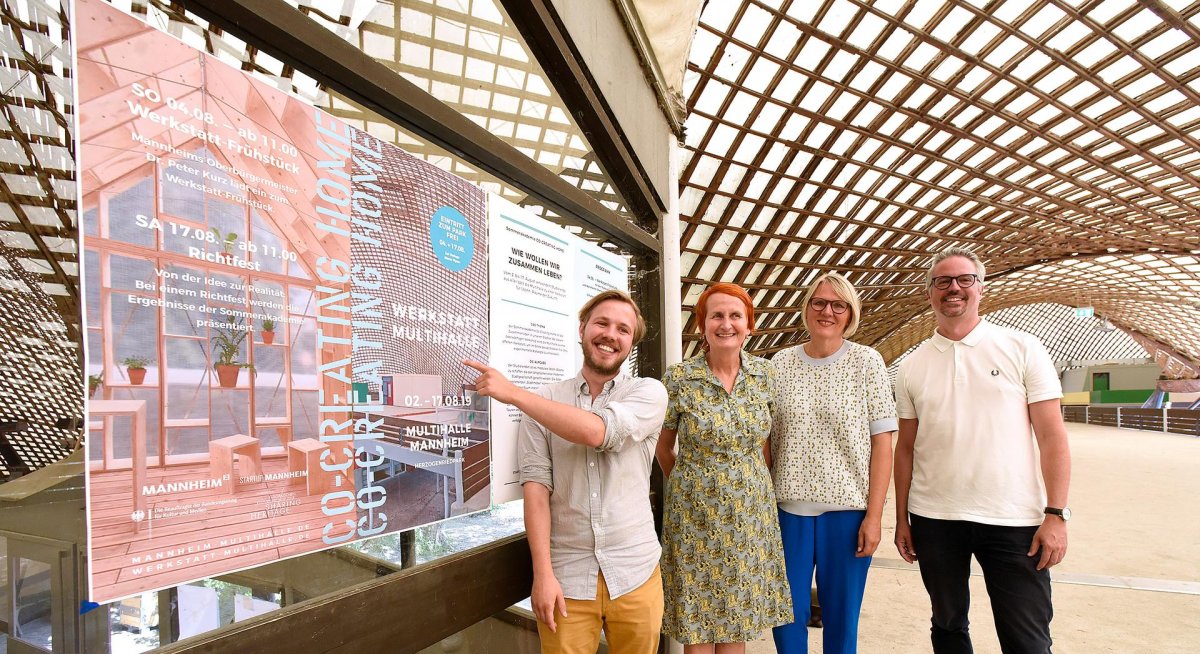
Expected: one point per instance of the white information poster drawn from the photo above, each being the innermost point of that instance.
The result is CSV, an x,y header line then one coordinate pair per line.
x,y
199,610
540,275
245,606
596,270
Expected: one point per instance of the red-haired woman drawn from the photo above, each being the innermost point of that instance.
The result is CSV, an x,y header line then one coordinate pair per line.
x,y
722,564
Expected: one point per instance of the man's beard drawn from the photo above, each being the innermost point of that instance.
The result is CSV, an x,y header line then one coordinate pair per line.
x,y
590,361
953,310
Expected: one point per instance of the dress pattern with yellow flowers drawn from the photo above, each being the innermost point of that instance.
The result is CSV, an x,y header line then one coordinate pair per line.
x,y
722,560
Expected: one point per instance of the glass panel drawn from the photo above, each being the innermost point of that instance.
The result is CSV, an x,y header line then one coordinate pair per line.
x,y
91,269
230,412
178,235
300,300
270,437
134,326
267,298
122,209
153,415
122,428
304,414
187,440
270,399
296,269
269,245
452,536
182,359
181,193
207,604
247,606
304,354
227,222
131,274
91,222
184,287
95,353
229,335
219,179
188,377
34,603
226,288
95,441
513,631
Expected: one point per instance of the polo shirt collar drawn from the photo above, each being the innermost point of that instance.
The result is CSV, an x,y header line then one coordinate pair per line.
x,y
975,337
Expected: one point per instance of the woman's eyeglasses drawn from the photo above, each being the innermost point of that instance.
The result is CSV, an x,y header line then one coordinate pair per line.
x,y
819,304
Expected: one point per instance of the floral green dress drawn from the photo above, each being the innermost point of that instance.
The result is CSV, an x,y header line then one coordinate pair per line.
x,y
722,560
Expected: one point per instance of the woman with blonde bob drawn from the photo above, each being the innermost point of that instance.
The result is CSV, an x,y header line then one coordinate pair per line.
x,y
831,444
722,563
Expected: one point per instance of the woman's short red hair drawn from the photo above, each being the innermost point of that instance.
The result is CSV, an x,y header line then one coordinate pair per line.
x,y
724,288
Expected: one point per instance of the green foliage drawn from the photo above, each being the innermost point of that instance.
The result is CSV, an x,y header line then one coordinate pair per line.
x,y
134,363
384,547
95,380
226,343
226,240
433,542
268,325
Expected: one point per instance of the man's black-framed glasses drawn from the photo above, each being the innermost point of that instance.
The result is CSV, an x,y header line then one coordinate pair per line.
x,y
964,281
837,306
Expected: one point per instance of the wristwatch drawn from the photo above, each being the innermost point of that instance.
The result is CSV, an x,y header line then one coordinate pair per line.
x,y
1063,513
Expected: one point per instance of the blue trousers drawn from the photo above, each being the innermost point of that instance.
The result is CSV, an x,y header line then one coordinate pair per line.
x,y
826,542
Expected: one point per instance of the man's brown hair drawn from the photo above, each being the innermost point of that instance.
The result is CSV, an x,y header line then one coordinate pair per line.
x,y
585,312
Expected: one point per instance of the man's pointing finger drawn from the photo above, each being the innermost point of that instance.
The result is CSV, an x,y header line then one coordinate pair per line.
x,y
476,365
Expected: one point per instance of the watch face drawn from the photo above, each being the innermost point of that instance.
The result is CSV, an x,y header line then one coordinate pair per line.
x,y
1063,513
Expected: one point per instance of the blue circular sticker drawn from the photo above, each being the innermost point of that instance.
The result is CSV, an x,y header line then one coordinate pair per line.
x,y
451,238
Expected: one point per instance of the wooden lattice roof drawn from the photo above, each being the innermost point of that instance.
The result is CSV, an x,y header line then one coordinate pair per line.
x,y
1072,340
1060,140
37,184
466,53
41,379
1057,138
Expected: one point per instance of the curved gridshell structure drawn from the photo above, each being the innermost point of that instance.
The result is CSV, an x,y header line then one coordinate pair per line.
x,y
1060,140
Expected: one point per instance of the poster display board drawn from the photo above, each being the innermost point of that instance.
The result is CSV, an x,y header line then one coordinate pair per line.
x,y
277,306
540,275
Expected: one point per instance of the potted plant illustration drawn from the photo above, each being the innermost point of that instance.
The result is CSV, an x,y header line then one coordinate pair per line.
x,y
95,381
135,367
226,343
268,331
226,241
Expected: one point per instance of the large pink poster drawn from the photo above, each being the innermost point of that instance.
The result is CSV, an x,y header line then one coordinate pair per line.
x,y
276,309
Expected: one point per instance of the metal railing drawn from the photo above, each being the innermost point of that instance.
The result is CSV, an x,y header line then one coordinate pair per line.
x,y
1172,421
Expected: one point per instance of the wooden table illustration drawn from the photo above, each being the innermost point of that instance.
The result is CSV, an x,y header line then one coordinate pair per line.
x,y
136,410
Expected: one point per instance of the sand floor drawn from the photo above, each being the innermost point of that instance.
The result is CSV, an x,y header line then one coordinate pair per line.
x,y
1131,580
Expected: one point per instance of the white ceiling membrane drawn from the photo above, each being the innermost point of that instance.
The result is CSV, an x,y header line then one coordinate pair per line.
x,y
1060,141
669,26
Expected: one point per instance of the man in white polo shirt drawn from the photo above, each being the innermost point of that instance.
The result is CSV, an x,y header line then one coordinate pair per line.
x,y
966,469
